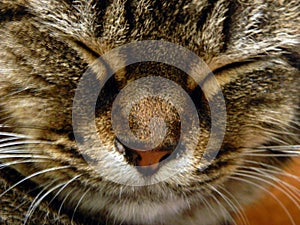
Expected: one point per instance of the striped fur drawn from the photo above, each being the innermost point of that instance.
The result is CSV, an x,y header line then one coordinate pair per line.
x,y
253,49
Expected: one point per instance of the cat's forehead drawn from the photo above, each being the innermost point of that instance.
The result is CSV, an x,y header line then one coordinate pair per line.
x,y
208,28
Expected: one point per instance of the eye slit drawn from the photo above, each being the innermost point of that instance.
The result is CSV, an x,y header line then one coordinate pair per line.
x,y
198,98
107,95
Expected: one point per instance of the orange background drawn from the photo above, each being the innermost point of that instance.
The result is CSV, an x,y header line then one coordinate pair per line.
x,y
267,211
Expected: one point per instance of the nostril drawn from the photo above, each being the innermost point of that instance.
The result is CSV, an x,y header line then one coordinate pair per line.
x,y
139,157
165,157
147,162
151,157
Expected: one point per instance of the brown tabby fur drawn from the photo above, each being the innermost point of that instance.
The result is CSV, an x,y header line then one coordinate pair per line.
x,y
252,46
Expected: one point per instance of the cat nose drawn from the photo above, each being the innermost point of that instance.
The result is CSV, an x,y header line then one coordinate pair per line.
x,y
148,161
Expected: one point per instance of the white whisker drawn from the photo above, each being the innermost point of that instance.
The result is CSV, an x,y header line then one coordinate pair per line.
x,y
12,148
208,205
79,201
240,208
9,139
24,143
69,182
270,155
228,202
8,134
48,185
32,156
273,169
34,175
18,151
277,131
4,165
225,212
38,200
62,203
278,139
264,189
285,186
292,149
280,147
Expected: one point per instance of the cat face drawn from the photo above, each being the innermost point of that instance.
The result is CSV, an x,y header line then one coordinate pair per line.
x,y
49,49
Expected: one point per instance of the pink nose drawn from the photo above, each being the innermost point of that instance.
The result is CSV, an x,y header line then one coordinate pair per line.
x,y
149,160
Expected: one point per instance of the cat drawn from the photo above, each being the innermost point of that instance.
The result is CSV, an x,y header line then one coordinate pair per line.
x,y
47,46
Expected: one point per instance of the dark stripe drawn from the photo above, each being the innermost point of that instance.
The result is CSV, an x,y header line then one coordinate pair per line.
x,y
158,13
11,176
293,59
184,16
12,14
129,15
236,65
163,13
227,25
86,48
101,9
205,13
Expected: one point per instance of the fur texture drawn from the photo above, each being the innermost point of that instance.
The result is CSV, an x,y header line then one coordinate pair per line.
x,y
252,47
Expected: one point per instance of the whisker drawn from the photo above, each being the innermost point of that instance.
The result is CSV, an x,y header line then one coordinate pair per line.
x,y
280,147
11,156
18,151
62,203
208,205
33,175
229,203
277,132
261,177
23,127
69,182
284,125
270,155
284,149
38,200
79,201
288,187
13,93
279,140
4,165
40,193
273,169
24,143
240,208
19,148
225,212
9,139
267,191
8,134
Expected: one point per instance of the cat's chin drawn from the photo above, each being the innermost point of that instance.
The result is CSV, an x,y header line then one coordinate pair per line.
x,y
150,205
133,212
171,211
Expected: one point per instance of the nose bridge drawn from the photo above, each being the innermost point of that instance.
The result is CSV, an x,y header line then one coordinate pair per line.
x,y
156,123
